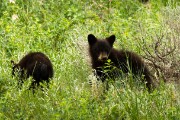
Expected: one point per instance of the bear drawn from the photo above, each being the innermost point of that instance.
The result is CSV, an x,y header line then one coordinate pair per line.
x,y
35,64
144,1
101,50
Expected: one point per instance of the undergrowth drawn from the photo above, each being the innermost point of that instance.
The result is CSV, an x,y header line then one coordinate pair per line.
x,y
59,29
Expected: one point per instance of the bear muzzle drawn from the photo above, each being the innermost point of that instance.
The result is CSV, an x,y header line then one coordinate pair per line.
x,y
103,56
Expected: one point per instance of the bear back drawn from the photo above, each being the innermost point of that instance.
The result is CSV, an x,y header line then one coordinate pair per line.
x,y
35,64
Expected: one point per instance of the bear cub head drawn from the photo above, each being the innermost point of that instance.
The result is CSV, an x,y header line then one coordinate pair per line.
x,y
100,48
15,68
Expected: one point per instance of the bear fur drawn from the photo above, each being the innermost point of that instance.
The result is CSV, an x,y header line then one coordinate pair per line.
x,y
144,1
102,49
35,64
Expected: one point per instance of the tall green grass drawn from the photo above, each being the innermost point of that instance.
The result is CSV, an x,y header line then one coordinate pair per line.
x,y
59,29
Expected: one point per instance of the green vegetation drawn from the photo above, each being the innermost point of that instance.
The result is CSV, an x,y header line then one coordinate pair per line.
x,y
59,28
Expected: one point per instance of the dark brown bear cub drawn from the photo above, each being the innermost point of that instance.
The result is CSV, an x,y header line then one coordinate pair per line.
x,y
35,64
128,62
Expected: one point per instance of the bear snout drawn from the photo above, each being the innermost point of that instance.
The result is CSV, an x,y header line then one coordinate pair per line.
x,y
103,56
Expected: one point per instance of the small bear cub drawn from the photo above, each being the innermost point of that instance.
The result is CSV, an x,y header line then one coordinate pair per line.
x,y
35,64
102,50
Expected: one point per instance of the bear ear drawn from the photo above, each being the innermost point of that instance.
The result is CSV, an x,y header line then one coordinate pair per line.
x,y
111,39
13,63
91,39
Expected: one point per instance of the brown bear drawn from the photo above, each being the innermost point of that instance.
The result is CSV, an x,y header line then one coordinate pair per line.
x,y
125,61
35,64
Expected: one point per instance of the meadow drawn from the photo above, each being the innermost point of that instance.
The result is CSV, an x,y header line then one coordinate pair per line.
x,y
59,29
